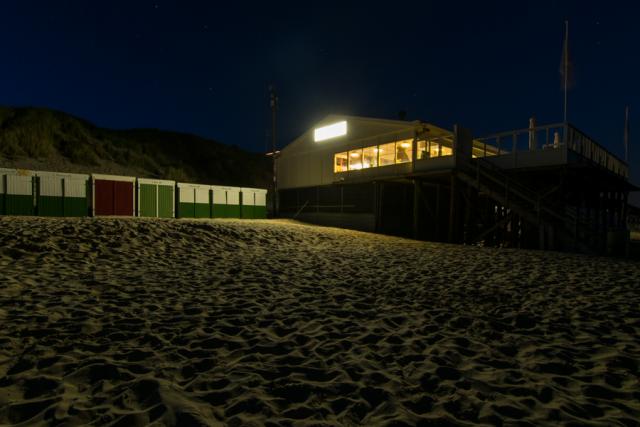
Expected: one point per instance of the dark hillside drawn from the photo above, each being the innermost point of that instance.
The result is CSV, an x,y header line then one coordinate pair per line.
x,y
42,139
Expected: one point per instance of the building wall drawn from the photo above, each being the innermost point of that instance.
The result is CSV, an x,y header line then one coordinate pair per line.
x,y
347,206
353,221
385,207
305,163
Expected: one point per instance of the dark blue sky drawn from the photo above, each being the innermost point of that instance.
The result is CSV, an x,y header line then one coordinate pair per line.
x,y
204,67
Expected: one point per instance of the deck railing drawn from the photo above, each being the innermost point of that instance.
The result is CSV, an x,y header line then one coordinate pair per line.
x,y
580,143
553,137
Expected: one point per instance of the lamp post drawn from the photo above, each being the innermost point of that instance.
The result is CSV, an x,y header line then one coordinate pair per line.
x,y
274,152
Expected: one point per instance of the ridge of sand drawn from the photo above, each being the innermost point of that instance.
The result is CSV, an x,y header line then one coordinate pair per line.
x,y
214,322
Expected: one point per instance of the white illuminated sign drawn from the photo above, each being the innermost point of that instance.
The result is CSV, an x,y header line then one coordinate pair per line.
x,y
330,131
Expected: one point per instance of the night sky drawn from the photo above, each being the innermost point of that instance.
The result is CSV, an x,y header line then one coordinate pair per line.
x,y
204,67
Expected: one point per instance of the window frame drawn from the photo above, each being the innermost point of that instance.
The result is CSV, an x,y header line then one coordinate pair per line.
x,y
393,144
409,149
350,156
335,165
376,156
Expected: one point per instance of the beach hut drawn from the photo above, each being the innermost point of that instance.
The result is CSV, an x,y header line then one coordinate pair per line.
x,y
113,195
17,189
156,198
233,202
194,200
62,194
260,208
226,202
218,201
254,203
3,172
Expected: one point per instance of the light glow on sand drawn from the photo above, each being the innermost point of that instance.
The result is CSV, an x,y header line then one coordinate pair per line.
x,y
330,131
130,336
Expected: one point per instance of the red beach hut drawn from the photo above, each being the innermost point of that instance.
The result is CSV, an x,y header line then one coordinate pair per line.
x,y
113,195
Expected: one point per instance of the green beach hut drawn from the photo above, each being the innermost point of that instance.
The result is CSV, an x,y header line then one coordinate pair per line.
x,y
219,201
18,192
233,202
194,200
62,194
226,202
254,203
260,208
3,172
156,198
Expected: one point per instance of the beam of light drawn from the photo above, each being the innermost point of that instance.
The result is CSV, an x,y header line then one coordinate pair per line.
x,y
330,131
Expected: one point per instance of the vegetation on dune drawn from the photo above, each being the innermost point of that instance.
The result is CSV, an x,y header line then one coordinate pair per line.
x,y
56,138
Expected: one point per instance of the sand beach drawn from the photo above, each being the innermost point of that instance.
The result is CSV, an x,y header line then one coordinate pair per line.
x,y
131,322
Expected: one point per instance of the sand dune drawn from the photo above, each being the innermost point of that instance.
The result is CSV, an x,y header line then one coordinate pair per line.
x,y
129,322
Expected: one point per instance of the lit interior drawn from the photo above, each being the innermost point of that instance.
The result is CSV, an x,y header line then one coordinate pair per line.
x,y
421,149
355,159
387,154
390,154
341,162
369,157
331,131
483,150
429,149
403,151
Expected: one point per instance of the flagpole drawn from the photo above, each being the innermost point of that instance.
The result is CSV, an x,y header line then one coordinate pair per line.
x,y
566,66
626,134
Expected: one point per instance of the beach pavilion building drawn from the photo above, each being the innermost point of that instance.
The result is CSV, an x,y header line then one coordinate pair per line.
x,y
549,187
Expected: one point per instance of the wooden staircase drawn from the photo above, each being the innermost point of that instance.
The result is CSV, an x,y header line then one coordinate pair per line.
x,y
532,207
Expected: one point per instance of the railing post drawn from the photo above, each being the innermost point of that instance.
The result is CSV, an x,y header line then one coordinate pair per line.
x,y
546,142
515,150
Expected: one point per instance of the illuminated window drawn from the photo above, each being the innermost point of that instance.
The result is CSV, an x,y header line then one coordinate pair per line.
x,y
370,157
429,149
422,147
341,162
355,159
434,149
331,131
403,151
387,154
